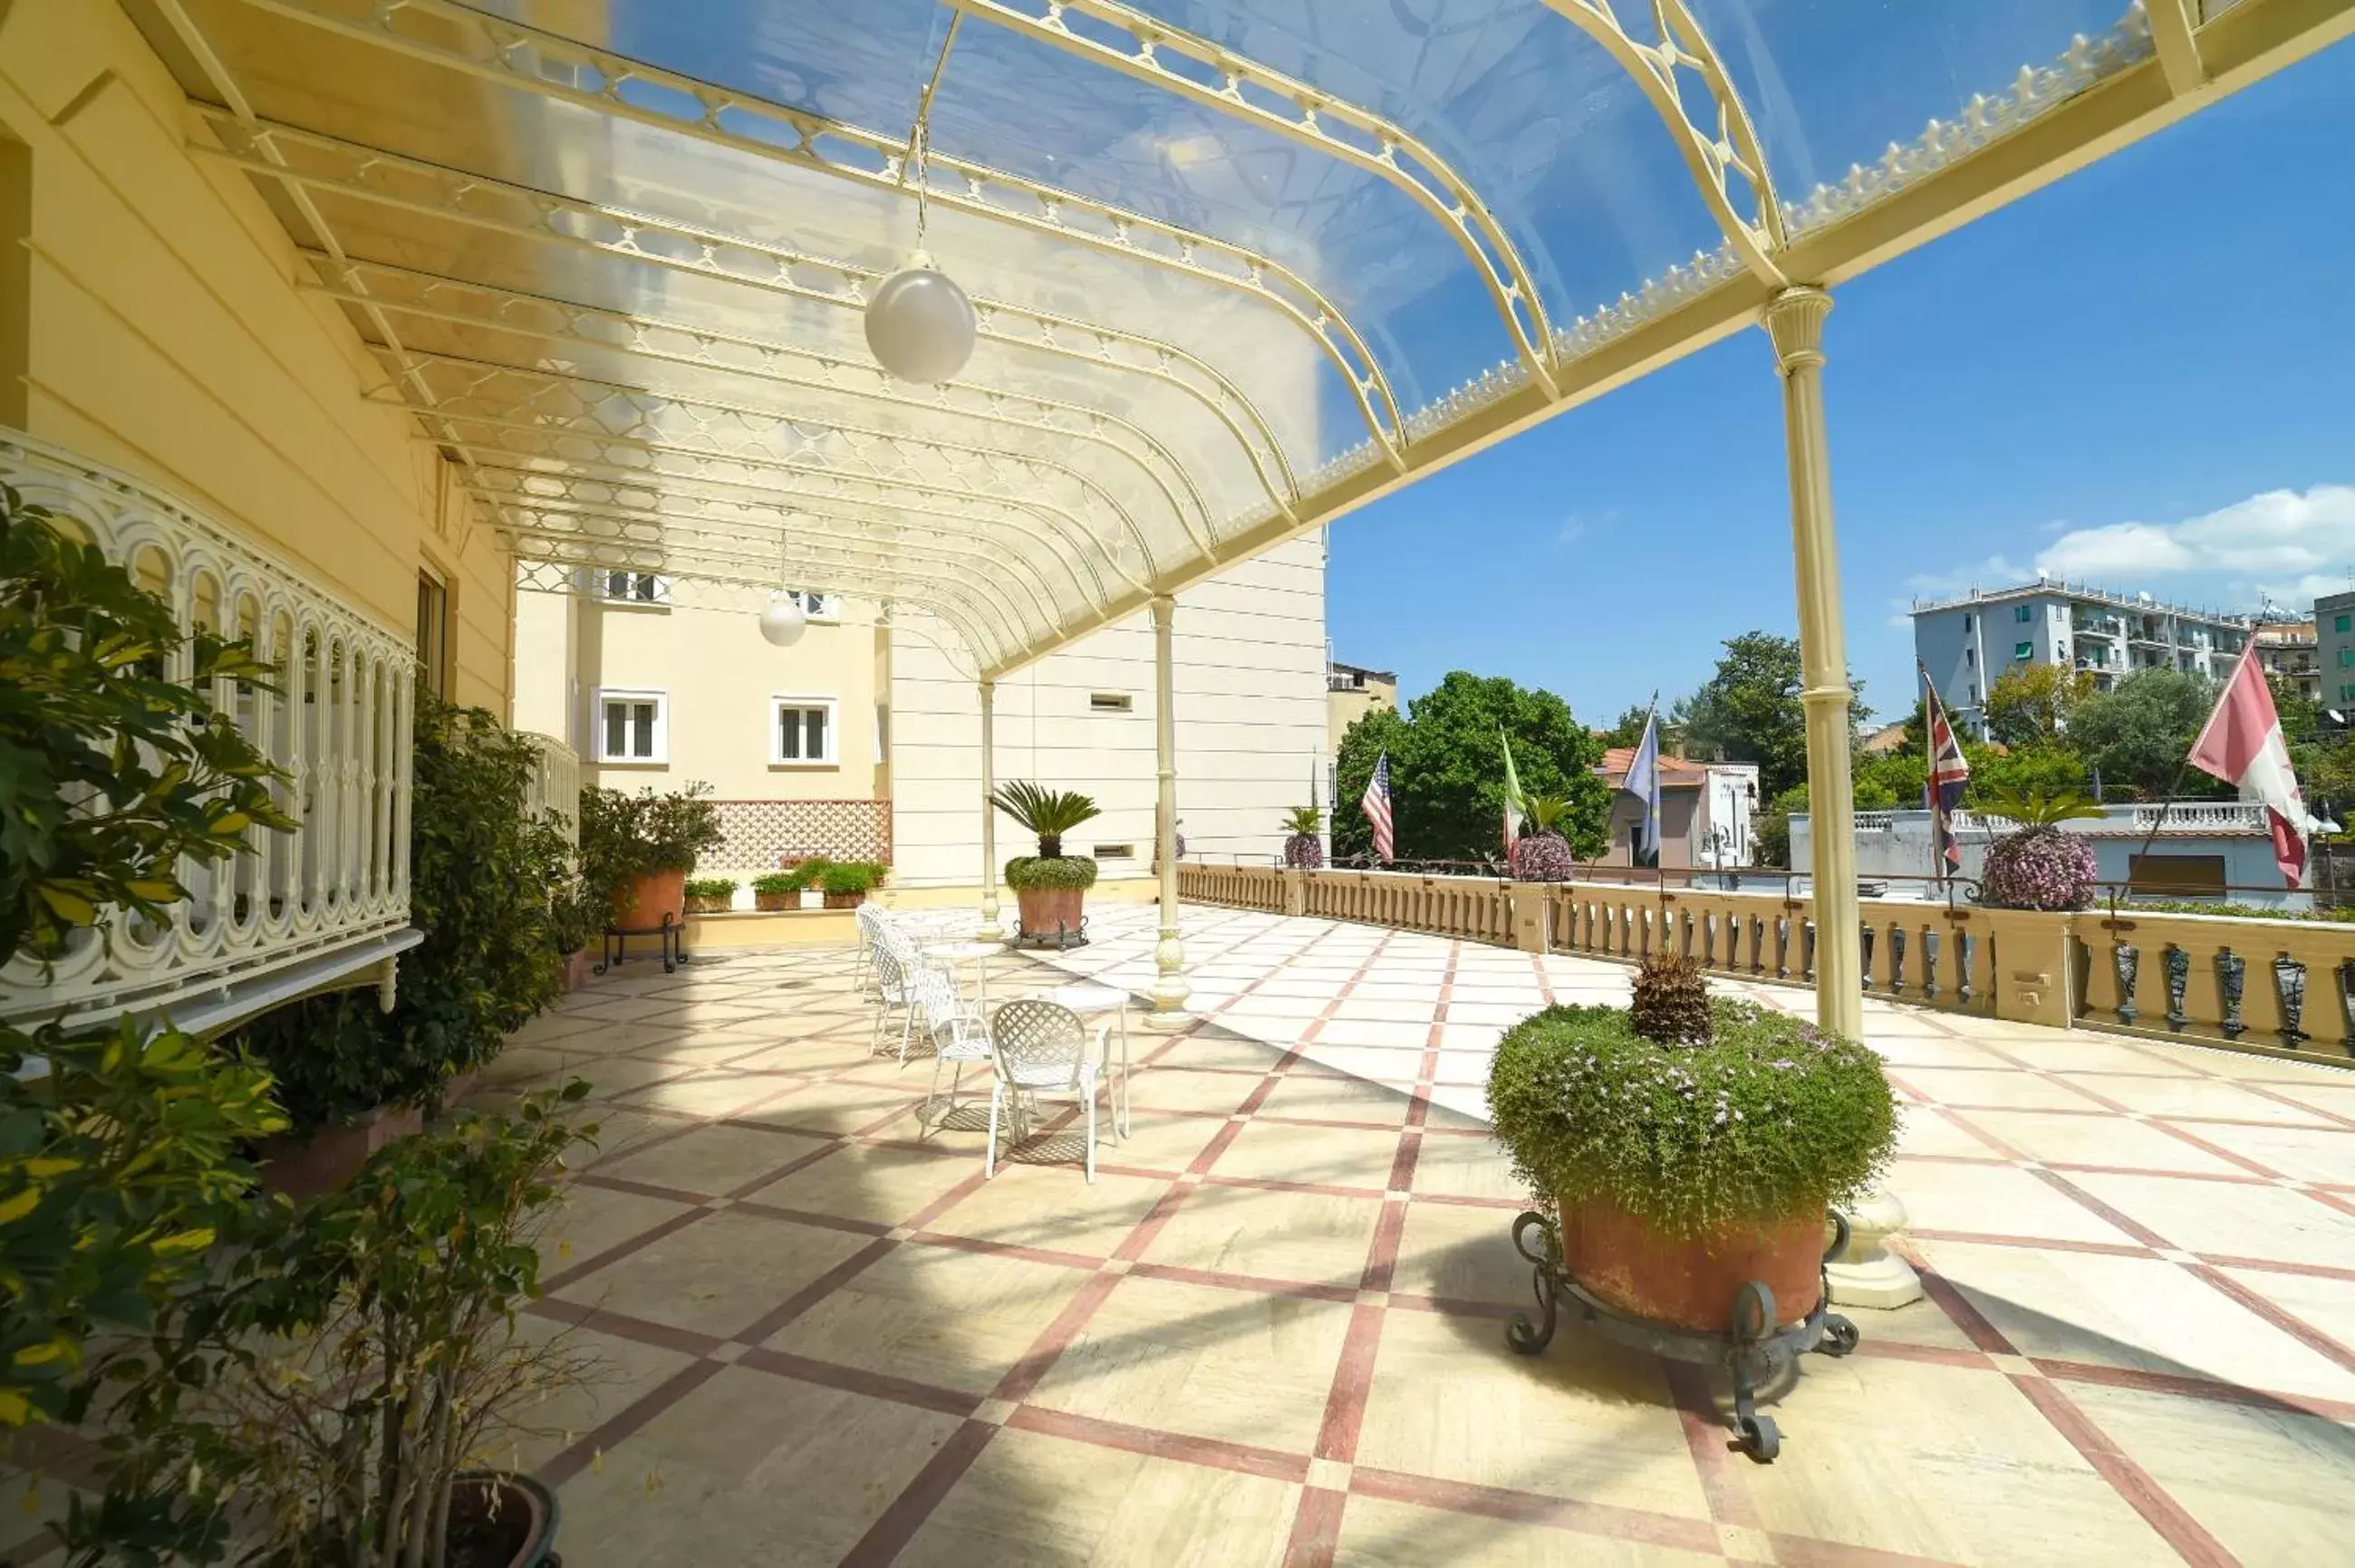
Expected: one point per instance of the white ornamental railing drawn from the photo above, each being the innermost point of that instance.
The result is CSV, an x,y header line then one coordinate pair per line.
x,y
300,908
555,782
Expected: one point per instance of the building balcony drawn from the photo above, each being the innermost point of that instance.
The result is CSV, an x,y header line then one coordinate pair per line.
x,y
302,912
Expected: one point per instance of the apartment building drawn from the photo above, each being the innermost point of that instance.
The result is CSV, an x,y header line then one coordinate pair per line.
x,y
1968,643
2334,650
2288,650
1351,693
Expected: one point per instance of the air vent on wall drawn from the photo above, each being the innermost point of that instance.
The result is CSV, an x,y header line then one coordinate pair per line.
x,y
1110,702
1115,852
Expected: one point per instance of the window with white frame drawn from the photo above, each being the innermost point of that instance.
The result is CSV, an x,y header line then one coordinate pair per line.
x,y
632,726
817,606
617,587
802,732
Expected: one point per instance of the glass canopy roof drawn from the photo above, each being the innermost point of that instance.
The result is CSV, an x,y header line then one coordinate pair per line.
x,y
1240,264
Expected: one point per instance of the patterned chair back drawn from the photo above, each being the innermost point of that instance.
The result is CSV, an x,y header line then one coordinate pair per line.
x,y
1039,1035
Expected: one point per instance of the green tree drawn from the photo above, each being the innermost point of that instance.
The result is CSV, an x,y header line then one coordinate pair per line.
x,y
1629,730
2138,732
1447,769
1750,711
2033,705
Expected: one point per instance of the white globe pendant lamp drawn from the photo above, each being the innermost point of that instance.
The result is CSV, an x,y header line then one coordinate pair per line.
x,y
784,622
919,324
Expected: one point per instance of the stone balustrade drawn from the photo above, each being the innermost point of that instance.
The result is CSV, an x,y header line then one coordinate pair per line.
x,y
2276,984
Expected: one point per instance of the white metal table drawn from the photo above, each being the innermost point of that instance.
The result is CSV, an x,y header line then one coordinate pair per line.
x,y
957,955
1087,1001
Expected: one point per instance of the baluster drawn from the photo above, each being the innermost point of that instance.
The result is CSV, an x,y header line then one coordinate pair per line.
x,y
1708,939
1758,944
1865,943
1931,943
1807,951
2126,961
2346,972
1897,960
1782,946
2179,980
1967,964
2232,973
2289,986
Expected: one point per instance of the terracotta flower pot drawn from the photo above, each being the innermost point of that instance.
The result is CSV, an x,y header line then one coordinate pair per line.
x,y
578,966
710,904
1046,909
1622,1260
773,901
502,1520
844,900
642,901
326,1159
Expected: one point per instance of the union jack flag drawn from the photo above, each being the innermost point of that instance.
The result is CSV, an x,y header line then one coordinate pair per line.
x,y
1376,805
1949,775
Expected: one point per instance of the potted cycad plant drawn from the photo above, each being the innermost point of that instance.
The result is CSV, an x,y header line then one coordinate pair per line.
x,y
1543,854
1303,850
1049,888
1689,1143
2036,865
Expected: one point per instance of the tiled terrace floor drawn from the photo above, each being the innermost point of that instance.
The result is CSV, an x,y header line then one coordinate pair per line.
x,y
1271,1331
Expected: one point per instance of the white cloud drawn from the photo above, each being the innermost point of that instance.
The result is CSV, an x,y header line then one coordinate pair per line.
x,y
1992,573
2289,544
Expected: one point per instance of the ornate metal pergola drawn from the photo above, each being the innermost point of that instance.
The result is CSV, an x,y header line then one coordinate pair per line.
x,y
1239,268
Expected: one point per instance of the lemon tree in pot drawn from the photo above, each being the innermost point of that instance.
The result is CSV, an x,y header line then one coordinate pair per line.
x,y
1051,888
1690,1144
637,851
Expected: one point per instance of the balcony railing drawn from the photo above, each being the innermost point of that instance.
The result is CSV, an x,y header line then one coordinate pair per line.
x,y
555,782
2281,985
300,910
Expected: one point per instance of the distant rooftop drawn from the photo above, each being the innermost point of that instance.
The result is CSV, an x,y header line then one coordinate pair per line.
x,y
1358,672
2045,588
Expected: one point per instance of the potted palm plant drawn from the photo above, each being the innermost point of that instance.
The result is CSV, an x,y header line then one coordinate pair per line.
x,y
1303,851
2036,865
1688,1144
1543,854
1051,888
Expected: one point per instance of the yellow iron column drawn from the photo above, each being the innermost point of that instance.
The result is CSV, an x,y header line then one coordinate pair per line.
x,y
1796,323
1169,988
989,925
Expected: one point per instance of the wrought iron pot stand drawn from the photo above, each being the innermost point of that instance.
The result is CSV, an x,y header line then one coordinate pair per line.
x,y
1751,1353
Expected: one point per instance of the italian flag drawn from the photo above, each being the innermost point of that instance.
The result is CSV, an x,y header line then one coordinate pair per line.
x,y
2243,746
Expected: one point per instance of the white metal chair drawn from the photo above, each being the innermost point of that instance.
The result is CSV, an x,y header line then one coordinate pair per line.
x,y
1041,1051
896,966
960,1038
871,920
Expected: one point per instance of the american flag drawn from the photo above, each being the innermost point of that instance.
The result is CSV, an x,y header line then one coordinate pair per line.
x,y
1948,776
1376,805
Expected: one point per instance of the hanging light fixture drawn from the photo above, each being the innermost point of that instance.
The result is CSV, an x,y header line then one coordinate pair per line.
x,y
785,621
919,325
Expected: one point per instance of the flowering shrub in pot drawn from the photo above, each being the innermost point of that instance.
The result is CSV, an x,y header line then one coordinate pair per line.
x,y
2037,866
1682,1167
1544,855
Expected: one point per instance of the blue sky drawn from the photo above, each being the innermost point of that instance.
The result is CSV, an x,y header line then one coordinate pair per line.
x,y
2143,376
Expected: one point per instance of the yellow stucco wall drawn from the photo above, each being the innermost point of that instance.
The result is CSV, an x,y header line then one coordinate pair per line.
x,y
158,328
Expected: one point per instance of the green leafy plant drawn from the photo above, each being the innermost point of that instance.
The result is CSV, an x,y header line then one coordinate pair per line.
x,y
848,877
777,883
2038,805
626,836
1048,814
111,771
1051,874
358,1352
1301,848
485,877
119,1147
116,1167
1771,1121
711,886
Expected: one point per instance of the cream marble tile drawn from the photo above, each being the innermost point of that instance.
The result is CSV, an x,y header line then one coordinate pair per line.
x,y
1161,1087
749,1468
718,1276
1334,1099
1323,1156
585,1221
1995,1200
1584,1419
1460,1254
1376,1533
860,1181
2231,1220
1033,1501
836,1108
1466,1168
2011,1090
713,1159
2104,1140
934,1315
1304,1236
2142,1313
714,1092
1055,1207
2323,1155
2201,1097
1236,1366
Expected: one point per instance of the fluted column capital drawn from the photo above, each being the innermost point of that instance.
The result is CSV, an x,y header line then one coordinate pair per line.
x,y
1793,319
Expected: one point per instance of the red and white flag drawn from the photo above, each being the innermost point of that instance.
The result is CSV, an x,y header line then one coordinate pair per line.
x,y
2243,746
